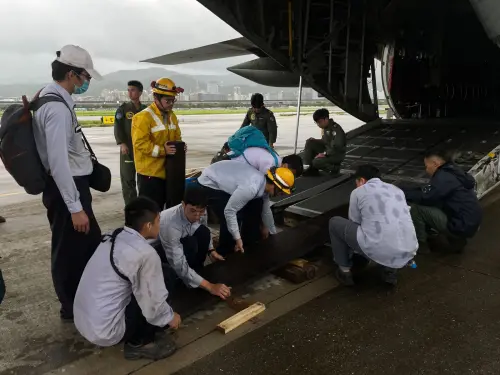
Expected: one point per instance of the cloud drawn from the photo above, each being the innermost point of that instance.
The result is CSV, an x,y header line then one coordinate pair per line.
x,y
117,33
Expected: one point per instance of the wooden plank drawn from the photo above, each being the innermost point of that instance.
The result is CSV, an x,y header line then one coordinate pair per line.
x,y
242,317
239,270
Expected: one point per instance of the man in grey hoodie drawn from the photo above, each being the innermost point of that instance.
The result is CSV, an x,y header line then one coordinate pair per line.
x,y
379,228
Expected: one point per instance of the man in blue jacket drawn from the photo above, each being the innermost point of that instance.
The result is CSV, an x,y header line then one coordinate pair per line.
x,y
448,204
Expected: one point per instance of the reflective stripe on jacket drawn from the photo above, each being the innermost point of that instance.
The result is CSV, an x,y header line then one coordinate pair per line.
x,y
150,131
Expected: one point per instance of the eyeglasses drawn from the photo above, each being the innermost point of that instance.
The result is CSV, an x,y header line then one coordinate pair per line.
x,y
85,75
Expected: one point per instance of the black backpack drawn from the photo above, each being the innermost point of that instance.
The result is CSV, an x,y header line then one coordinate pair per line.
x,y
17,144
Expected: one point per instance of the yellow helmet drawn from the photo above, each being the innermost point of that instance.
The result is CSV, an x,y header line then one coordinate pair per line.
x,y
283,178
165,86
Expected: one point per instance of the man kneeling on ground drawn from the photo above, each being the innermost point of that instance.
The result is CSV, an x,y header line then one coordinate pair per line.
x,y
186,240
379,228
237,192
122,293
448,204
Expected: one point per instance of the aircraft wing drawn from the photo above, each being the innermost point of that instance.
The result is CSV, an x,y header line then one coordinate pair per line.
x,y
221,50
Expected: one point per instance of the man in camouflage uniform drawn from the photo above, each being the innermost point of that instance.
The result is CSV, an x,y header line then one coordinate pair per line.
x,y
262,118
123,136
328,152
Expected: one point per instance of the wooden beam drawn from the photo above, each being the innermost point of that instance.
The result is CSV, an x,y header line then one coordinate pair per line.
x,y
242,317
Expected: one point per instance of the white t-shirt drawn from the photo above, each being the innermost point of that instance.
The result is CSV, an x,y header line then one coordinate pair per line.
x,y
259,158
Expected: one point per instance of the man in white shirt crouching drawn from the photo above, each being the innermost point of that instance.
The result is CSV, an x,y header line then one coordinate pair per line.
x,y
122,293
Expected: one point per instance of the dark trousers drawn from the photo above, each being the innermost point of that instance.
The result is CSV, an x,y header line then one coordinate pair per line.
x,y
344,242
138,331
196,247
71,250
127,177
249,220
313,148
154,188
426,218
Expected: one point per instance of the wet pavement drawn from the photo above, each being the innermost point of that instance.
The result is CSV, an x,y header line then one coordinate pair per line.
x,y
443,318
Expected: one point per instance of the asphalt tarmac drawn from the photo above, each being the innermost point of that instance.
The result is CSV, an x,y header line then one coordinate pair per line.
x,y
204,135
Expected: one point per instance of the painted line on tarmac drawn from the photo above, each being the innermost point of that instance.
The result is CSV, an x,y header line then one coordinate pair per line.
x,y
3,195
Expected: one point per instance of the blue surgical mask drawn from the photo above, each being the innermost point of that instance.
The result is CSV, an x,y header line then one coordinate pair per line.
x,y
82,89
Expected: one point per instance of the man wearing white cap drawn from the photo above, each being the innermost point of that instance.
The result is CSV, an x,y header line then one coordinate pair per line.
x,y
75,231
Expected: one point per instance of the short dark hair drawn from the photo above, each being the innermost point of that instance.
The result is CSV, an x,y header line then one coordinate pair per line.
x,y
139,211
59,70
195,196
321,114
137,84
257,100
294,162
367,171
444,155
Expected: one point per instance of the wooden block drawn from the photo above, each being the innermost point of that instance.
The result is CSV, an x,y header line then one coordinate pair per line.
x,y
301,263
243,316
292,273
238,304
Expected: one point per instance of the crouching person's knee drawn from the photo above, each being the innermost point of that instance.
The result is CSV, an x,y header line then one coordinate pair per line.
x,y
203,234
337,224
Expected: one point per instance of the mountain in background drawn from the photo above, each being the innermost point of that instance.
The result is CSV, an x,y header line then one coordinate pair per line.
x,y
118,81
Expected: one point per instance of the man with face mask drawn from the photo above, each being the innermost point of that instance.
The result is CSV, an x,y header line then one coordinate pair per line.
x,y
152,129
67,197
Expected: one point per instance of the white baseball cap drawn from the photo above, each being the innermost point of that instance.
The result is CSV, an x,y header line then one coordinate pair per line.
x,y
79,58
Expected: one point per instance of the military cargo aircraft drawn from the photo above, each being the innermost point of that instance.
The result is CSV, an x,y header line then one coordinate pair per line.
x,y
439,74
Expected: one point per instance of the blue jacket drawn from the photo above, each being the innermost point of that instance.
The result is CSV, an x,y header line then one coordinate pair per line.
x,y
452,190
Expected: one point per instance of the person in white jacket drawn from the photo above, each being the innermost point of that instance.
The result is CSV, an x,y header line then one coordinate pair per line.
x,y
122,293
379,228
237,192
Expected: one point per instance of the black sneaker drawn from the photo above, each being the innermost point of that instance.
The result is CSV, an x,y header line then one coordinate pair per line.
x,y
2,220
159,349
423,248
345,278
389,276
66,316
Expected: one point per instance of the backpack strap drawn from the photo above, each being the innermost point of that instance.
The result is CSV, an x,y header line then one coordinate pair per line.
x,y
38,102
112,251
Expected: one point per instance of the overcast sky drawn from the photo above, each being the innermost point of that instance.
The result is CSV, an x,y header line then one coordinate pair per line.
x,y
117,33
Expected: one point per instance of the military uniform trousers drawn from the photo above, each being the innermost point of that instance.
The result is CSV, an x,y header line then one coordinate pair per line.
x,y
313,148
128,177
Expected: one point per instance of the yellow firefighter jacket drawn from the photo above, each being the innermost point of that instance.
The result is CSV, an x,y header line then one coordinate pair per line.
x,y
151,129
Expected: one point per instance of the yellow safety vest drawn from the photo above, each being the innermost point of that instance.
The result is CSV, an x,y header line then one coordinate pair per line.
x,y
150,131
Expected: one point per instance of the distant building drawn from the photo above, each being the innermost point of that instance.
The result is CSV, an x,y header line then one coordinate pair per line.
x,y
213,88
206,97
